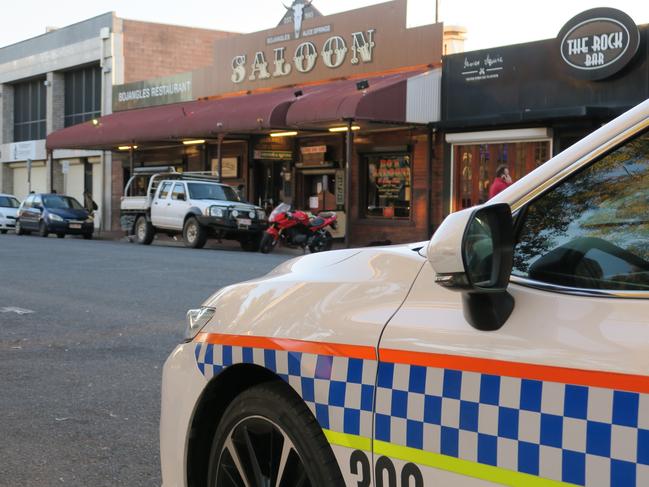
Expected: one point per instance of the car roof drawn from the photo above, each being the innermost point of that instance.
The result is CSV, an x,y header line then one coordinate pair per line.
x,y
7,194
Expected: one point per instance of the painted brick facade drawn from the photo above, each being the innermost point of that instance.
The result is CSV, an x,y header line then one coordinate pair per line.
x,y
152,50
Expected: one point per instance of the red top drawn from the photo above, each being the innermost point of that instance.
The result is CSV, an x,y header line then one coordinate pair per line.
x,y
497,186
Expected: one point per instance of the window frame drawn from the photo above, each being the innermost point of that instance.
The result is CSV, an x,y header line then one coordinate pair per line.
x,y
519,209
161,189
174,193
365,161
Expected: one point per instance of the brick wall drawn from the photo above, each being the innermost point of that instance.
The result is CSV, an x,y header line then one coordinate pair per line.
x,y
152,50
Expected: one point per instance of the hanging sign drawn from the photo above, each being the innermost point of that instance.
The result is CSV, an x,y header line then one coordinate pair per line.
x,y
598,43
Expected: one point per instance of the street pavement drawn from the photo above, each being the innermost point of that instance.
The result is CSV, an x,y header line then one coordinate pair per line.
x,y
85,327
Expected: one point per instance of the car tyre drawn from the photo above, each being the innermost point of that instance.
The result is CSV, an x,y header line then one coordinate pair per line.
x,y
322,242
269,421
267,243
194,234
60,235
42,229
87,236
144,231
3,232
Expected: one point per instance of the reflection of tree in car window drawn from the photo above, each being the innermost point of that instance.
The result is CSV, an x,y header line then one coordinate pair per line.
x,y
592,230
61,202
204,191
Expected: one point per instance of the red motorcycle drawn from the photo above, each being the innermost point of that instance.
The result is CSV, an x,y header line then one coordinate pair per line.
x,y
296,229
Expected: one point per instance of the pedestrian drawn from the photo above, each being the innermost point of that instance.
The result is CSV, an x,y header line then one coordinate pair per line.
x,y
502,181
88,202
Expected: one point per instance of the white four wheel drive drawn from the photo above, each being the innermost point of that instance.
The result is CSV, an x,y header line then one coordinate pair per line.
x,y
192,204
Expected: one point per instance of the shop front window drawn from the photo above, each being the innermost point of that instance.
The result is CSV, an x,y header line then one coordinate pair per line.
x,y
476,165
389,185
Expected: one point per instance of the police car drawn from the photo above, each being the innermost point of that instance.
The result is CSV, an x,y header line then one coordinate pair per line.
x,y
511,349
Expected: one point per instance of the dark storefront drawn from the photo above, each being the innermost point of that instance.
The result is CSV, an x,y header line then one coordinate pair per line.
x,y
519,105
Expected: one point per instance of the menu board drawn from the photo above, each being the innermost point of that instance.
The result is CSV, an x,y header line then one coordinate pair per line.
x,y
392,177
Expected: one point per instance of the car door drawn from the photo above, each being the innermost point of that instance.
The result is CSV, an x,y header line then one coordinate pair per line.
x,y
35,212
178,206
160,205
560,394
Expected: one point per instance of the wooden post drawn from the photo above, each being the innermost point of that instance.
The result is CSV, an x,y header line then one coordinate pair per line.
x,y
349,143
219,155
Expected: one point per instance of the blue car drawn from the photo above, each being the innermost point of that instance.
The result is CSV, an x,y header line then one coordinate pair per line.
x,y
47,213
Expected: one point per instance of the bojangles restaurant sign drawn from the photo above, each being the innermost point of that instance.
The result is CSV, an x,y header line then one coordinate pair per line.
x,y
307,46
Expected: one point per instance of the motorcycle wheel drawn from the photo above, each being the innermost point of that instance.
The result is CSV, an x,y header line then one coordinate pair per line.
x,y
322,242
267,243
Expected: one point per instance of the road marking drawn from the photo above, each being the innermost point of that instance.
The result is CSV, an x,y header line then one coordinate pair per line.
x,y
14,309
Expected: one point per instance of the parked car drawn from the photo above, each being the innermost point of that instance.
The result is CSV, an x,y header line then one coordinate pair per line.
x,y
511,349
8,209
47,213
193,205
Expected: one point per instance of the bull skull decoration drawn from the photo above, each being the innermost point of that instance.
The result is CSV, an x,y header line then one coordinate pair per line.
x,y
298,8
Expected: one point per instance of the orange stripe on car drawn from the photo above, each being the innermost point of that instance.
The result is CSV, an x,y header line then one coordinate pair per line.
x,y
320,348
564,375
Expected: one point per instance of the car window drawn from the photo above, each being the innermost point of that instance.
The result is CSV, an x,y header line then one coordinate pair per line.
x,y
179,189
164,190
28,201
8,202
592,230
206,191
61,202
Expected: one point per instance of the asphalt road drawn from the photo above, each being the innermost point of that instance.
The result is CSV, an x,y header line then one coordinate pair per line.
x,y
80,372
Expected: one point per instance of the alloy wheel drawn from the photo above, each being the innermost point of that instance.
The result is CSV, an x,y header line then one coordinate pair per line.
x,y
259,453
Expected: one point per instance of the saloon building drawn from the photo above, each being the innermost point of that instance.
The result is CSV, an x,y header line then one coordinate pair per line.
x,y
66,77
521,104
325,112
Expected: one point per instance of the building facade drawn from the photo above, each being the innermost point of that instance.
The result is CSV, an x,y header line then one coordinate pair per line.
x,y
324,112
65,77
520,105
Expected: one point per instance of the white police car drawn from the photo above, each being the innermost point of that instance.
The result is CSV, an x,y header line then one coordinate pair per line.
x,y
507,351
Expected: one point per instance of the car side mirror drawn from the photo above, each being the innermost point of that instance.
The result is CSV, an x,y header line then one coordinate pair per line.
x,y
472,252
38,207
182,197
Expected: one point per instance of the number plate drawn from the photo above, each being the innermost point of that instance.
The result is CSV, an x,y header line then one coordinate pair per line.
x,y
75,225
244,222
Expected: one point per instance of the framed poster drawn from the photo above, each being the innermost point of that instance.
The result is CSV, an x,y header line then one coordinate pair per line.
x,y
229,165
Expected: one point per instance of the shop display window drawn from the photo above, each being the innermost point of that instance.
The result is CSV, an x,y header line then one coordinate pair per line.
x,y
389,185
475,167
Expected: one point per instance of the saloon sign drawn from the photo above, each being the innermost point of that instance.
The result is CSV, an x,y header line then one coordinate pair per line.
x,y
334,53
599,42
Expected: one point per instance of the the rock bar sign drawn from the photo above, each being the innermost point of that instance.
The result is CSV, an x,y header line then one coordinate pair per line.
x,y
334,53
599,42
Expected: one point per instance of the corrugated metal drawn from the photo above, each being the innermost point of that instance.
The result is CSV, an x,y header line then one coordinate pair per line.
x,y
424,97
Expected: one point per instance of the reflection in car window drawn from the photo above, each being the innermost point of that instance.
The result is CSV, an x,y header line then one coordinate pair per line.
x,y
179,189
55,201
8,202
164,191
592,231
206,191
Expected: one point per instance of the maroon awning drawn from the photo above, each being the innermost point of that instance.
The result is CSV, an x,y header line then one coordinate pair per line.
x,y
205,118
384,100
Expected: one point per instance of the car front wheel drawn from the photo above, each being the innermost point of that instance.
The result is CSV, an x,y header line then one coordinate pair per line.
x,y
42,229
267,436
194,235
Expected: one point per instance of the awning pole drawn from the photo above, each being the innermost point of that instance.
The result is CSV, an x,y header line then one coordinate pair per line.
x,y
430,142
50,168
131,164
219,155
348,181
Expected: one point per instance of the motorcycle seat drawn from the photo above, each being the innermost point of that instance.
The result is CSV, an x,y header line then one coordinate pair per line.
x,y
326,214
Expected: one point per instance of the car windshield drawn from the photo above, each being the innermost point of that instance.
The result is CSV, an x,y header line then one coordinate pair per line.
x,y
8,202
206,191
55,201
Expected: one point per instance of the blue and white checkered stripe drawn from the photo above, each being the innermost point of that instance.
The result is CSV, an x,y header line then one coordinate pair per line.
x,y
576,434
338,390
